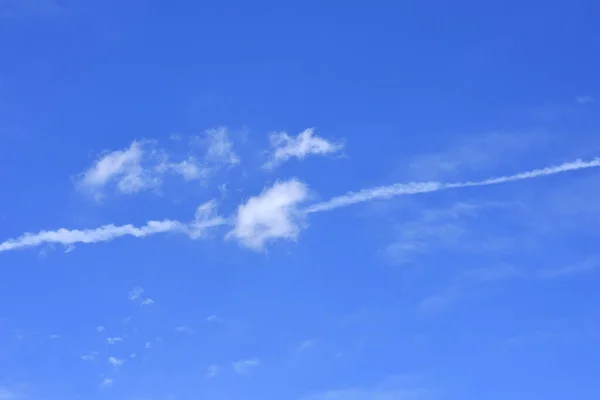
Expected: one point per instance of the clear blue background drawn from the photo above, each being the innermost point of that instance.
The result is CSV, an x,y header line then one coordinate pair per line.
x,y
498,304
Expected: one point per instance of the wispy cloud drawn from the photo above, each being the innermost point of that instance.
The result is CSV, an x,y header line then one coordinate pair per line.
x,y
107,382
89,356
143,165
115,362
100,329
123,168
304,346
273,214
393,388
6,394
306,143
584,99
135,293
147,302
184,329
190,169
212,371
244,367
113,340
220,147
472,154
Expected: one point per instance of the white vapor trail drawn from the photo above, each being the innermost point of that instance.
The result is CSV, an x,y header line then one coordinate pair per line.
x,y
207,218
402,189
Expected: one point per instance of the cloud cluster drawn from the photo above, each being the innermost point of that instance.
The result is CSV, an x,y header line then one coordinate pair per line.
x,y
143,165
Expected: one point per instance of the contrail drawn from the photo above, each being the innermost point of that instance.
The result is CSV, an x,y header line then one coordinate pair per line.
x,y
403,189
206,217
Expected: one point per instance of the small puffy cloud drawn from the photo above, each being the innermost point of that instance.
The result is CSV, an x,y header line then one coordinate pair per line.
x,y
100,329
285,147
54,337
271,215
147,345
212,371
244,367
123,168
115,362
113,340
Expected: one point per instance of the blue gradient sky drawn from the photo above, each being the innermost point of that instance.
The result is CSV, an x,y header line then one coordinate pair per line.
x,y
178,207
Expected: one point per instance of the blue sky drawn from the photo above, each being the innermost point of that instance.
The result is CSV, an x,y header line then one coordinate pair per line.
x,y
312,201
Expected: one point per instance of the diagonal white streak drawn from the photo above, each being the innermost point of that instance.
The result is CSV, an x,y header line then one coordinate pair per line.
x,y
403,189
206,217
107,233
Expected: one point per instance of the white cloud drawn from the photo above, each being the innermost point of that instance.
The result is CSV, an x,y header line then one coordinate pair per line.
x,y
113,340
212,371
220,148
123,168
271,215
274,214
195,229
54,337
102,234
212,318
135,293
301,146
584,99
143,165
89,356
244,367
100,329
107,382
190,169
115,362
403,189
147,302
148,345
184,329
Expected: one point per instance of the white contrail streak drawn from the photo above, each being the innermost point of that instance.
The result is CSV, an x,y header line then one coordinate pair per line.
x,y
102,234
206,217
403,189
106,233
